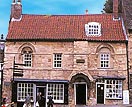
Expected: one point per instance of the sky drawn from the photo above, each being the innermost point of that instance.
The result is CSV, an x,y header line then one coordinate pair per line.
x,y
49,7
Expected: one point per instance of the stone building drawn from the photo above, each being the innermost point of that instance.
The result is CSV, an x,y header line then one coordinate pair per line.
x,y
80,59
127,16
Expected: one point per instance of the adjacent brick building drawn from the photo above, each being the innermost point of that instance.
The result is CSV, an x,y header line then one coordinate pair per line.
x,y
80,59
127,16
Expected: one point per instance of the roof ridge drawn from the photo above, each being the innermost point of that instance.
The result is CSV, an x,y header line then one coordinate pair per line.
x,y
67,14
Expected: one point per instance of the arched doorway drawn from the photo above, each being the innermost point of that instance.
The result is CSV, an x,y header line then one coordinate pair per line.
x,y
81,85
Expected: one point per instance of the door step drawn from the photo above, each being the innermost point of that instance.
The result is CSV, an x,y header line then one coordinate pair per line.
x,y
81,106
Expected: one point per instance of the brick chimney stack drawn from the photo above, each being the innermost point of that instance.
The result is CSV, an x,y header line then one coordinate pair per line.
x,y
86,12
115,9
16,9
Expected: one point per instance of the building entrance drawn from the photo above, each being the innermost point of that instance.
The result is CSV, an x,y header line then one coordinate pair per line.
x,y
100,93
81,94
42,90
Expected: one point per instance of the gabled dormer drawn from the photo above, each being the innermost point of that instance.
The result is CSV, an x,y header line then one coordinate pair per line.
x,y
93,29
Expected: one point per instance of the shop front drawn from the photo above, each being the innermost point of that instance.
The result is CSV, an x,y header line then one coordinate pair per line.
x,y
24,87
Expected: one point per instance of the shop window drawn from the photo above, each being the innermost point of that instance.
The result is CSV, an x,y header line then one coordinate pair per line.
x,y
23,90
57,91
57,60
113,89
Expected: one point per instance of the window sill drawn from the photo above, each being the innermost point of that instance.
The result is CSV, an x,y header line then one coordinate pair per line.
x,y
113,98
57,68
105,68
27,67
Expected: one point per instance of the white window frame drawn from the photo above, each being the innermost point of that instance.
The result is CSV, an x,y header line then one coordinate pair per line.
x,y
104,60
23,89
57,60
29,60
114,89
93,29
57,91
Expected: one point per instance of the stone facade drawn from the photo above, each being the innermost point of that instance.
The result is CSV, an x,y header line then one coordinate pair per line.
x,y
130,64
91,58
42,67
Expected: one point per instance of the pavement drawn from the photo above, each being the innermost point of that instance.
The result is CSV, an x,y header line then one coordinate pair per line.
x,y
111,106
103,105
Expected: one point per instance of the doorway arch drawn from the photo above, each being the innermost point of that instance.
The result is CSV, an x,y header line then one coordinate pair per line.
x,y
81,85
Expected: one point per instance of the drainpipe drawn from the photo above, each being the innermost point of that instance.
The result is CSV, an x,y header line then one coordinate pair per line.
x,y
127,64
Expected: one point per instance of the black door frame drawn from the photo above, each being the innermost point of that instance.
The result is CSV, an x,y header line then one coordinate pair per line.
x,y
44,88
75,84
102,84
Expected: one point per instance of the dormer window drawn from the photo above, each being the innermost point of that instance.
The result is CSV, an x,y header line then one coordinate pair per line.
x,y
93,29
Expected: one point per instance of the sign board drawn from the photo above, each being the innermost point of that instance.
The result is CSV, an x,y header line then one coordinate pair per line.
x,y
125,96
80,61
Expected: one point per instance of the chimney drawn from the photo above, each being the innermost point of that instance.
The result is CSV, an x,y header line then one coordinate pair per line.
x,y
86,12
115,9
19,1
16,9
2,37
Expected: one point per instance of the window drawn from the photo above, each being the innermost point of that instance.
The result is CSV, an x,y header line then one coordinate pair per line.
x,y
23,89
1,66
105,56
27,57
93,29
113,89
57,91
57,60
104,60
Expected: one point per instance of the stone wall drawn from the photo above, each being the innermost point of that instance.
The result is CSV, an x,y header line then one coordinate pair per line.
x,y
84,51
130,64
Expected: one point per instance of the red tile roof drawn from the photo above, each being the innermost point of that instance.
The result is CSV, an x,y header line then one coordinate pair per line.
x,y
64,27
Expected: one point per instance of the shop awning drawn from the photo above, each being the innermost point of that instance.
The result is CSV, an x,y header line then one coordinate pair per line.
x,y
110,77
40,80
